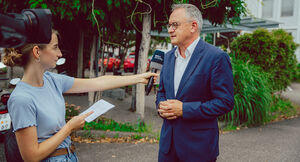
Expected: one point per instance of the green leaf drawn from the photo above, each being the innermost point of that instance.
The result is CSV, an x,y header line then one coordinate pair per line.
x,y
109,2
102,14
34,5
96,12
44,5
30,1
117,4
159,1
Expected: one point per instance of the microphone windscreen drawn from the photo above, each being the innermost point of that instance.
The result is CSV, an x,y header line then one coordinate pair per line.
x,y
157,60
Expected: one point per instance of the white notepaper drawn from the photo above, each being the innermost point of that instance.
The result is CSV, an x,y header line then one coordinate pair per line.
x,y
99,108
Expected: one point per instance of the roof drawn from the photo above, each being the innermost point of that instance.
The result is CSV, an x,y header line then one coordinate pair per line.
x,y
246,24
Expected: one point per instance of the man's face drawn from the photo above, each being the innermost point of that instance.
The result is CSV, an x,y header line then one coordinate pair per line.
x,y
180,27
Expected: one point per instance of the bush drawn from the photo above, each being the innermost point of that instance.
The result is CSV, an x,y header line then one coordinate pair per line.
x,y
273,51
296,74
252,95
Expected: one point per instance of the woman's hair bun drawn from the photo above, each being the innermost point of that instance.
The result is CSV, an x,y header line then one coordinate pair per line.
x,y
12,57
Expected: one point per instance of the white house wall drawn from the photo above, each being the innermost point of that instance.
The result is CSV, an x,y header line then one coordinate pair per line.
x,y
291,23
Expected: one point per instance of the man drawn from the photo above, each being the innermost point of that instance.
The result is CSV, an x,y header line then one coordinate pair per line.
x,y
196,87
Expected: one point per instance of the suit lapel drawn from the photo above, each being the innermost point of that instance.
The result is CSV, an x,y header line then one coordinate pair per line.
x,y
194,60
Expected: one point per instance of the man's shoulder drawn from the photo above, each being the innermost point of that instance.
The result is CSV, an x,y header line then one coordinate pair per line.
x,y
212,51
212,48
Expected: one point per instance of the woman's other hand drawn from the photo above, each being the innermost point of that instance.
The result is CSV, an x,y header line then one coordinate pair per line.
x,y
77,122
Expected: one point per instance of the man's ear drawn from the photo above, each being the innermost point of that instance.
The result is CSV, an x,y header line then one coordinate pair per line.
x,y
194,27
35,52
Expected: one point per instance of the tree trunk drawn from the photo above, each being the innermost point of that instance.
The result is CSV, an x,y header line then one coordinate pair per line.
x,y
80,55
100,46
92,73
138,40
142,65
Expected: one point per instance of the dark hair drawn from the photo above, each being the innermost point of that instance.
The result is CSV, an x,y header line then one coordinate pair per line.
x,y
20,56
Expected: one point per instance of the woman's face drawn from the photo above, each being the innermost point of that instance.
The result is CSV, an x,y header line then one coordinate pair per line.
x,y
50,54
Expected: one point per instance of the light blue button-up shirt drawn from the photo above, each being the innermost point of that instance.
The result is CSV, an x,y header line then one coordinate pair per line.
x,y
181,63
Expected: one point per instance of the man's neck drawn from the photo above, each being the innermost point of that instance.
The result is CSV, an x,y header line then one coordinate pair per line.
x,y
182,48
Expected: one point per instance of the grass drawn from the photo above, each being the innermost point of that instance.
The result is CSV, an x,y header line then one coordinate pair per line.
x,y
229,127
109,124
281,108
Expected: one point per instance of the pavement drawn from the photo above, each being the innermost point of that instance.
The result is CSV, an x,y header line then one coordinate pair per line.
x,y
274,142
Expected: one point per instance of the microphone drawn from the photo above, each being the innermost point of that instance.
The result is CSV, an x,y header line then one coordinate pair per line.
x,y
156,64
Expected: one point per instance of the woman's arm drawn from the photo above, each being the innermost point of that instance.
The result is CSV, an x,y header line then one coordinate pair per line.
x,y
108,82
33,151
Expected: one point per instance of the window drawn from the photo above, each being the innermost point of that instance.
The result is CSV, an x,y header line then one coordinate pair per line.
x,y
287,8
267,11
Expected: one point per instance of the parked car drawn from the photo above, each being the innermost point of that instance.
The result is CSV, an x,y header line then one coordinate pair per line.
x,y
112,62
129,62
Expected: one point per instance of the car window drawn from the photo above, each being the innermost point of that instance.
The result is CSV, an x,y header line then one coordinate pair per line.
x,y
131,56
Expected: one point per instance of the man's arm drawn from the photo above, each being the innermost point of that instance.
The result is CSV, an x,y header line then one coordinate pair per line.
x,y
161,93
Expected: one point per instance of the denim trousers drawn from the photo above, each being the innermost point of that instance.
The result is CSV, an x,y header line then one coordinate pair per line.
x,y
70,157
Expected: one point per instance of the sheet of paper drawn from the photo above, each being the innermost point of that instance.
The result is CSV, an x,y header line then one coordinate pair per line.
x,y
99,108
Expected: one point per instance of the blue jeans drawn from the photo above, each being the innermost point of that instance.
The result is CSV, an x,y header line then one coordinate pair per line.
x,y
71,157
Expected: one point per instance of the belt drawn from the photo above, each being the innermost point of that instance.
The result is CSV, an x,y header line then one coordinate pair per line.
x,y
62,151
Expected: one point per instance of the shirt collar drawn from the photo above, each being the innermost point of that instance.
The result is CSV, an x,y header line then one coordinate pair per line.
x,y
189,50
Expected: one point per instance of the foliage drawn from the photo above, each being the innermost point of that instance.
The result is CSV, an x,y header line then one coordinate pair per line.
x,y
71,111
252,95
104,123
296,74
273,51
3,70
281,108
230,128
207,37
109,124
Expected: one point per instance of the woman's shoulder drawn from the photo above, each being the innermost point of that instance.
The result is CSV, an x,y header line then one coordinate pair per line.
x,y
20,97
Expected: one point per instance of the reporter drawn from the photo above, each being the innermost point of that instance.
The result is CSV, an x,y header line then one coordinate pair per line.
x,y
37,106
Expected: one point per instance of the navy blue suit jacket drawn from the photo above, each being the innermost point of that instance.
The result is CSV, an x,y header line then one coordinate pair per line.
x,y
206,90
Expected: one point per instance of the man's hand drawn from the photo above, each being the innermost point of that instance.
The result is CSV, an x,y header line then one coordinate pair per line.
x,y
170,109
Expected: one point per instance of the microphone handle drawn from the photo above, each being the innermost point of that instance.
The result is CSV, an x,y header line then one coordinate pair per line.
x,y
150,83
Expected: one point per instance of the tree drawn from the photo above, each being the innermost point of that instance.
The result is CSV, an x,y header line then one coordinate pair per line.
x,y
115,17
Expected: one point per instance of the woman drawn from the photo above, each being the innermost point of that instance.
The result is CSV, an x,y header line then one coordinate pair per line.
x,y
37,106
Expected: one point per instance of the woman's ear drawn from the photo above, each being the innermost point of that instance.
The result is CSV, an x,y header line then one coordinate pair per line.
x,y
35,52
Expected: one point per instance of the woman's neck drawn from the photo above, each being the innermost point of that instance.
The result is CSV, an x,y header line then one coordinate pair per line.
x,y
33,75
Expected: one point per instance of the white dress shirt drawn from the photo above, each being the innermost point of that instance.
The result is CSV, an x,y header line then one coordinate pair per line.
x,y
181,63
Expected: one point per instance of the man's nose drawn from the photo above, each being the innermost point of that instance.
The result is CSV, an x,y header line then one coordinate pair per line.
x,y
170,29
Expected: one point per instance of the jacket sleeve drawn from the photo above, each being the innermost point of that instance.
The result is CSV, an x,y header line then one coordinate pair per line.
x,y
221,87
161,93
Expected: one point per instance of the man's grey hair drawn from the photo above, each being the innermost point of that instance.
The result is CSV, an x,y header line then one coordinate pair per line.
x,y
192,12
